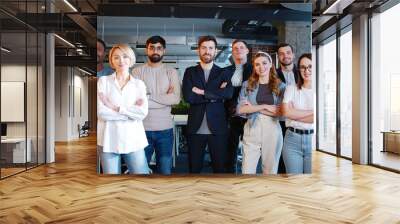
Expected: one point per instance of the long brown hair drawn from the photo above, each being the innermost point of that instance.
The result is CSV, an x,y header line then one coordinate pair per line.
x,y
273,81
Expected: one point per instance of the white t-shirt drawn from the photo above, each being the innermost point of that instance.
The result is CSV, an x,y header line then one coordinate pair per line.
x,y
303,100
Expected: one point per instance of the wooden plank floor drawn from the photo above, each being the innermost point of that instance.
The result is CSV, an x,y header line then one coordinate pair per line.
x,y
70,191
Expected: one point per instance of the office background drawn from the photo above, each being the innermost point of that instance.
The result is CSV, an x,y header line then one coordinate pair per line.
x,y
263,27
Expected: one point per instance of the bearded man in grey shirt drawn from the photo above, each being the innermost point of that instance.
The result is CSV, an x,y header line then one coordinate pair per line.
x,y
164,90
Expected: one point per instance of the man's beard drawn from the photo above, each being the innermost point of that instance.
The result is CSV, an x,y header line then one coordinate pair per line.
x,y
206,61
154,58
286,64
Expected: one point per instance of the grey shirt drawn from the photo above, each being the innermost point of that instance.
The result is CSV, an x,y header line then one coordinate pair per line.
x,y
264,95
204,130
158,80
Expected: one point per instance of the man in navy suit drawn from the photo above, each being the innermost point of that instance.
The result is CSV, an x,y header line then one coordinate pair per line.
x,y
205,88
238,72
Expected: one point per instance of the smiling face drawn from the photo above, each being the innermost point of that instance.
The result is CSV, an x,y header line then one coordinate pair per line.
x,y
155,52
285,55
207,51
305,67
239,51
262,66
120,60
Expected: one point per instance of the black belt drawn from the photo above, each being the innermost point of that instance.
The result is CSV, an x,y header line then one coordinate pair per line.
x,y
301,131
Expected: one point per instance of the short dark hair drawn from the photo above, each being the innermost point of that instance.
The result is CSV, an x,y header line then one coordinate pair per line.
x,y
301,80
240,41
102,43
285,45
207,38
154,40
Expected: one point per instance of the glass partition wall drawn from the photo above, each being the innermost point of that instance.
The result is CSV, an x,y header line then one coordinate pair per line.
x,y
327,96
22,77
385,90
334,97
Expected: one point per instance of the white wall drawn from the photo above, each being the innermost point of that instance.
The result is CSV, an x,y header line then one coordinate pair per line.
x,y
16,73
34,125
71,102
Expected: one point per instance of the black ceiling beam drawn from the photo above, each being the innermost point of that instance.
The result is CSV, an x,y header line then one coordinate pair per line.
x,y
82,61
49,22
270,12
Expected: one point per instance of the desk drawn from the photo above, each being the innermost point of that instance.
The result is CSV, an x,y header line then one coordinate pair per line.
x,y
179,120
391,141
13,150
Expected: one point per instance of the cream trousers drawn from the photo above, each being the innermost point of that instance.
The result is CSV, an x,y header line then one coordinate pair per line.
x,y
263,138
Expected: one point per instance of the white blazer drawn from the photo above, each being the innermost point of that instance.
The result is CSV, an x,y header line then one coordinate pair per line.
x,y
122,132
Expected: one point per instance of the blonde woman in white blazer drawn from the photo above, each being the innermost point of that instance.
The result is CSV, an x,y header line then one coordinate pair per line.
x,y
122,105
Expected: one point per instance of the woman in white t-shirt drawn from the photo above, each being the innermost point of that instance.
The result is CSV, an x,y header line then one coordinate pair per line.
x,y
298,108
122,105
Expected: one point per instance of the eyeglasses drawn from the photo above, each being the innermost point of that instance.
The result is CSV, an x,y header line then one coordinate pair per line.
x,y
152,48
303,68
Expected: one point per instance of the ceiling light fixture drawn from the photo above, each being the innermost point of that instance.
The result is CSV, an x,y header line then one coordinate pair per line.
x,y
337,7
70,5
65,41
86,72
5,49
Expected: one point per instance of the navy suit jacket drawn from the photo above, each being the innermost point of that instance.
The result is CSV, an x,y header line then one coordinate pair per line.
x,y
282,77
212,102
230,104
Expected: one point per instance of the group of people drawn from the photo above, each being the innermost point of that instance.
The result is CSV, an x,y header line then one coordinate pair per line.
x,y
271,110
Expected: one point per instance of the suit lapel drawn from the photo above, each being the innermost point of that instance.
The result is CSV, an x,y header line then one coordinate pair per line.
x,y
281,76
247,71
200,74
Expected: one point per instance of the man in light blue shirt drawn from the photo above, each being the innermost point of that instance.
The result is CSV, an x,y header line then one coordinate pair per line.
x,y
102,70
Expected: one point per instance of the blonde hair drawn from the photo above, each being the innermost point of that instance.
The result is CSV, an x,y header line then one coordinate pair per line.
x,y
125,49
273,82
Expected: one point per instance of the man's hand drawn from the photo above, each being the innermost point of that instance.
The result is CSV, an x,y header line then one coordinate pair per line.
x,y
139,102
170,90
223,85
198,91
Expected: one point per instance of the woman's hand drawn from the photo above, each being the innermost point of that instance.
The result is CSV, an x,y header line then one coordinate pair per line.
x,y
139,102
107,102
170,90
274,110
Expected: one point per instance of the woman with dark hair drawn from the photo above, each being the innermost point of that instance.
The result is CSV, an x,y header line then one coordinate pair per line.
x,y
298,108
259,100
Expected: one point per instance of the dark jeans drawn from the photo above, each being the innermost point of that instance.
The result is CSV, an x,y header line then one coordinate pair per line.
x,y
217,146
161,142
236,125
282,167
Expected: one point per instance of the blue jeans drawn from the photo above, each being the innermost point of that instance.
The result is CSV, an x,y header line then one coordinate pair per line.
x,y
162,142
136,162
297,152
